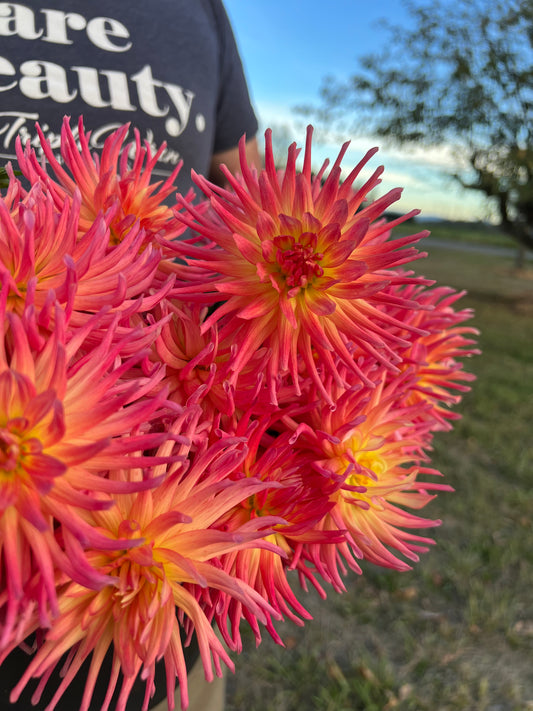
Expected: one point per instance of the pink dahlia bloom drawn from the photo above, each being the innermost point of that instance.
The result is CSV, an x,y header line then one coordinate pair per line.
x,y
435,356
155,585
296,493
43,259
374,446
190,359
116,183
65,422
198,366
300,266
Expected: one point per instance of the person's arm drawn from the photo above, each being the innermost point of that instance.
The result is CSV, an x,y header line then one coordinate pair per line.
x,y
230,158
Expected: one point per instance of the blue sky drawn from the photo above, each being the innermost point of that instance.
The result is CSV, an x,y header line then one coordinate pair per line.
x,y
288,46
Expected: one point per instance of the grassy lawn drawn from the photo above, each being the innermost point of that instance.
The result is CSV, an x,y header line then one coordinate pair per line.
x,y
473,233
456,633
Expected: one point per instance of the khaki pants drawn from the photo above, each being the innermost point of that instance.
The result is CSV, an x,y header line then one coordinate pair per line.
x,y
203,696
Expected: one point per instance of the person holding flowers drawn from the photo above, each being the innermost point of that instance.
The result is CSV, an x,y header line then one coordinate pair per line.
x,y
204,402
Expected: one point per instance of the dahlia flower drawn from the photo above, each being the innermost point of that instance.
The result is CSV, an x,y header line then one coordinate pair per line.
x,y
300,267
189,357
375,446
434,356
64,422
152,585
295,493
107,183
198,364
41,254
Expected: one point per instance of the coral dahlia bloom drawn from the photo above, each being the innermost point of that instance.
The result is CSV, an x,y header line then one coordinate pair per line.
x,y
42,259
197,365
189,357
64,422
297,494
152,585
434,357
108,183
375,448
299,267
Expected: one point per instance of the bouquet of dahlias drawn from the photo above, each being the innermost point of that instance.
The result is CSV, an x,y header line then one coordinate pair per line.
x,y
197,400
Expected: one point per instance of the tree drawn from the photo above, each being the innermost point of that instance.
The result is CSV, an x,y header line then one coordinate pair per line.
x,y
462,75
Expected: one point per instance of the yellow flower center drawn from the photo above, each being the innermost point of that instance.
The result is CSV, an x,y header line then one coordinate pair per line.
x,y
372,461
14,447
370,467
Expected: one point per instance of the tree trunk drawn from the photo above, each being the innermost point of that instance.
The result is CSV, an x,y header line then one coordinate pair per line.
x,y
520,257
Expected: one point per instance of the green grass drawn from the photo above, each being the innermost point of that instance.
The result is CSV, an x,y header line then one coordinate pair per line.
x,y
456,633
473,233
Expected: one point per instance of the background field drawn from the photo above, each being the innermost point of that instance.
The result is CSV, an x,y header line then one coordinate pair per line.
x,y
456,633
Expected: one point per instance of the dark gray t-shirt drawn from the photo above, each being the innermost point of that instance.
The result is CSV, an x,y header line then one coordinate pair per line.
x,y
170,67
